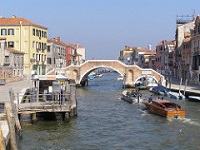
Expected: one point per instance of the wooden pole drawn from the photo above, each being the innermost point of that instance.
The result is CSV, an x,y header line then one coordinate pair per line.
x,y
14,111
13,144
180,86
170,82
185,85
2,143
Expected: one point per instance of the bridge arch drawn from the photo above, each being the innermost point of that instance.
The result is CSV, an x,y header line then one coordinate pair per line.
x,y
131,73
84,76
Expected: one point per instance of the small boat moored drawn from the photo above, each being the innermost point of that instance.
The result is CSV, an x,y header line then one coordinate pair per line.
x,y
131,97
194,98
159,90
165,108
176,95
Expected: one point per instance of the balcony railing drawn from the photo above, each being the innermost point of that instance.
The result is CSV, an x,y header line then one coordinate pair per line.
x,y
6,63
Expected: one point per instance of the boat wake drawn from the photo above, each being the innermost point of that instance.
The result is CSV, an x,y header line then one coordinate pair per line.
x,y
189,121
144,112
186,120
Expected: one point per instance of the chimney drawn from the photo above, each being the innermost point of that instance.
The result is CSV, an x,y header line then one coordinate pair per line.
x,y
13,16
149,47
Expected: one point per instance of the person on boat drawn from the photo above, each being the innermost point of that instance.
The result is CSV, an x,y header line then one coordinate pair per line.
x,y
150,99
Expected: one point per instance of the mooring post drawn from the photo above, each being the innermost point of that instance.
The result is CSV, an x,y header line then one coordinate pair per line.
x,y
180,86
14,111
13,144
185,85
2,143
73,106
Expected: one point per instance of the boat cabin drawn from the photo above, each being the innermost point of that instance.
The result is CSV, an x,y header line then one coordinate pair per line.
x,y
44,86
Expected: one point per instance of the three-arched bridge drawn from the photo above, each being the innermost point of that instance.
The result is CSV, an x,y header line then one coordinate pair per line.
x,y
131,73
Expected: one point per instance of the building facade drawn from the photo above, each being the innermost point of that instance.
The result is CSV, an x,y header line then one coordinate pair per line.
x,y
56,53
183,30
11,62
165,57
27,37
195,53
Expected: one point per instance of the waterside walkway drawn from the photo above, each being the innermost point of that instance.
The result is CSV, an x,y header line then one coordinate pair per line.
x,y
189,88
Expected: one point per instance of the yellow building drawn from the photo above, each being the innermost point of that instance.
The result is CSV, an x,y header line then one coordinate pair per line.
x,y
28,37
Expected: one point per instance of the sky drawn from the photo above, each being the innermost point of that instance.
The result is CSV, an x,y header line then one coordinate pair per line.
x,y
104,27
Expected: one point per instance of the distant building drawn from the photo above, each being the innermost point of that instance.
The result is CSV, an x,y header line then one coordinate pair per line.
x,y
165,57
56,53
126,55
137,56
78,53
184,28
27,37
143,57
11,62
195,52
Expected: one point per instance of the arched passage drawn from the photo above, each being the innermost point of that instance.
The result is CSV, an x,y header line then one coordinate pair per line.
x,y
84,76
151,79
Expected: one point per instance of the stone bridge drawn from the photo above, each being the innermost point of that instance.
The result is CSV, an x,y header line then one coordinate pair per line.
x,y
131,73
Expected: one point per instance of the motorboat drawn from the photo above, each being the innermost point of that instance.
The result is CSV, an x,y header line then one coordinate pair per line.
x,y
131,97
159,90
165,108
176,95
194,98
120,77
98,75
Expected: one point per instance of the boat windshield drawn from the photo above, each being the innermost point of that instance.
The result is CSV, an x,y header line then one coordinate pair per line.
x,y
170,105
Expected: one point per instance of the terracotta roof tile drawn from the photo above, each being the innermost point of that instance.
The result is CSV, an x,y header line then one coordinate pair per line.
x,y
16,21
14,51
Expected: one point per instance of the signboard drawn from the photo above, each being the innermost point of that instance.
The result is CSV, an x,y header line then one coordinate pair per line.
x,y
56,87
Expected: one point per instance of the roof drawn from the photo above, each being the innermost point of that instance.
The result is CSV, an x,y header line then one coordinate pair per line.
x,y
172,42
18,21
57,40
14,51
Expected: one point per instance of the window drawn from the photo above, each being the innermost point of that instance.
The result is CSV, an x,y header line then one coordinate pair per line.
x,y
45,34
6,58
34,31
48,48
40,33
48,60
3,32
10,31
37,32
45,46
37,59
11,44
37,46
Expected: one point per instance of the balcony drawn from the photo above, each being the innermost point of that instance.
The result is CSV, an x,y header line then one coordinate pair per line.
x,y
6,63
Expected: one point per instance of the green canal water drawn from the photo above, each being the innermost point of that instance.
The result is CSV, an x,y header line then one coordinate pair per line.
x,y
105,122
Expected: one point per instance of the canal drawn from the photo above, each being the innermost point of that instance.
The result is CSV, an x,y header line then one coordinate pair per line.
x,y
106,122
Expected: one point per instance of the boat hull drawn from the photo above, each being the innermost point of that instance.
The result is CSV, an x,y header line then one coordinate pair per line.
x,y
131,99
194,98
168,113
